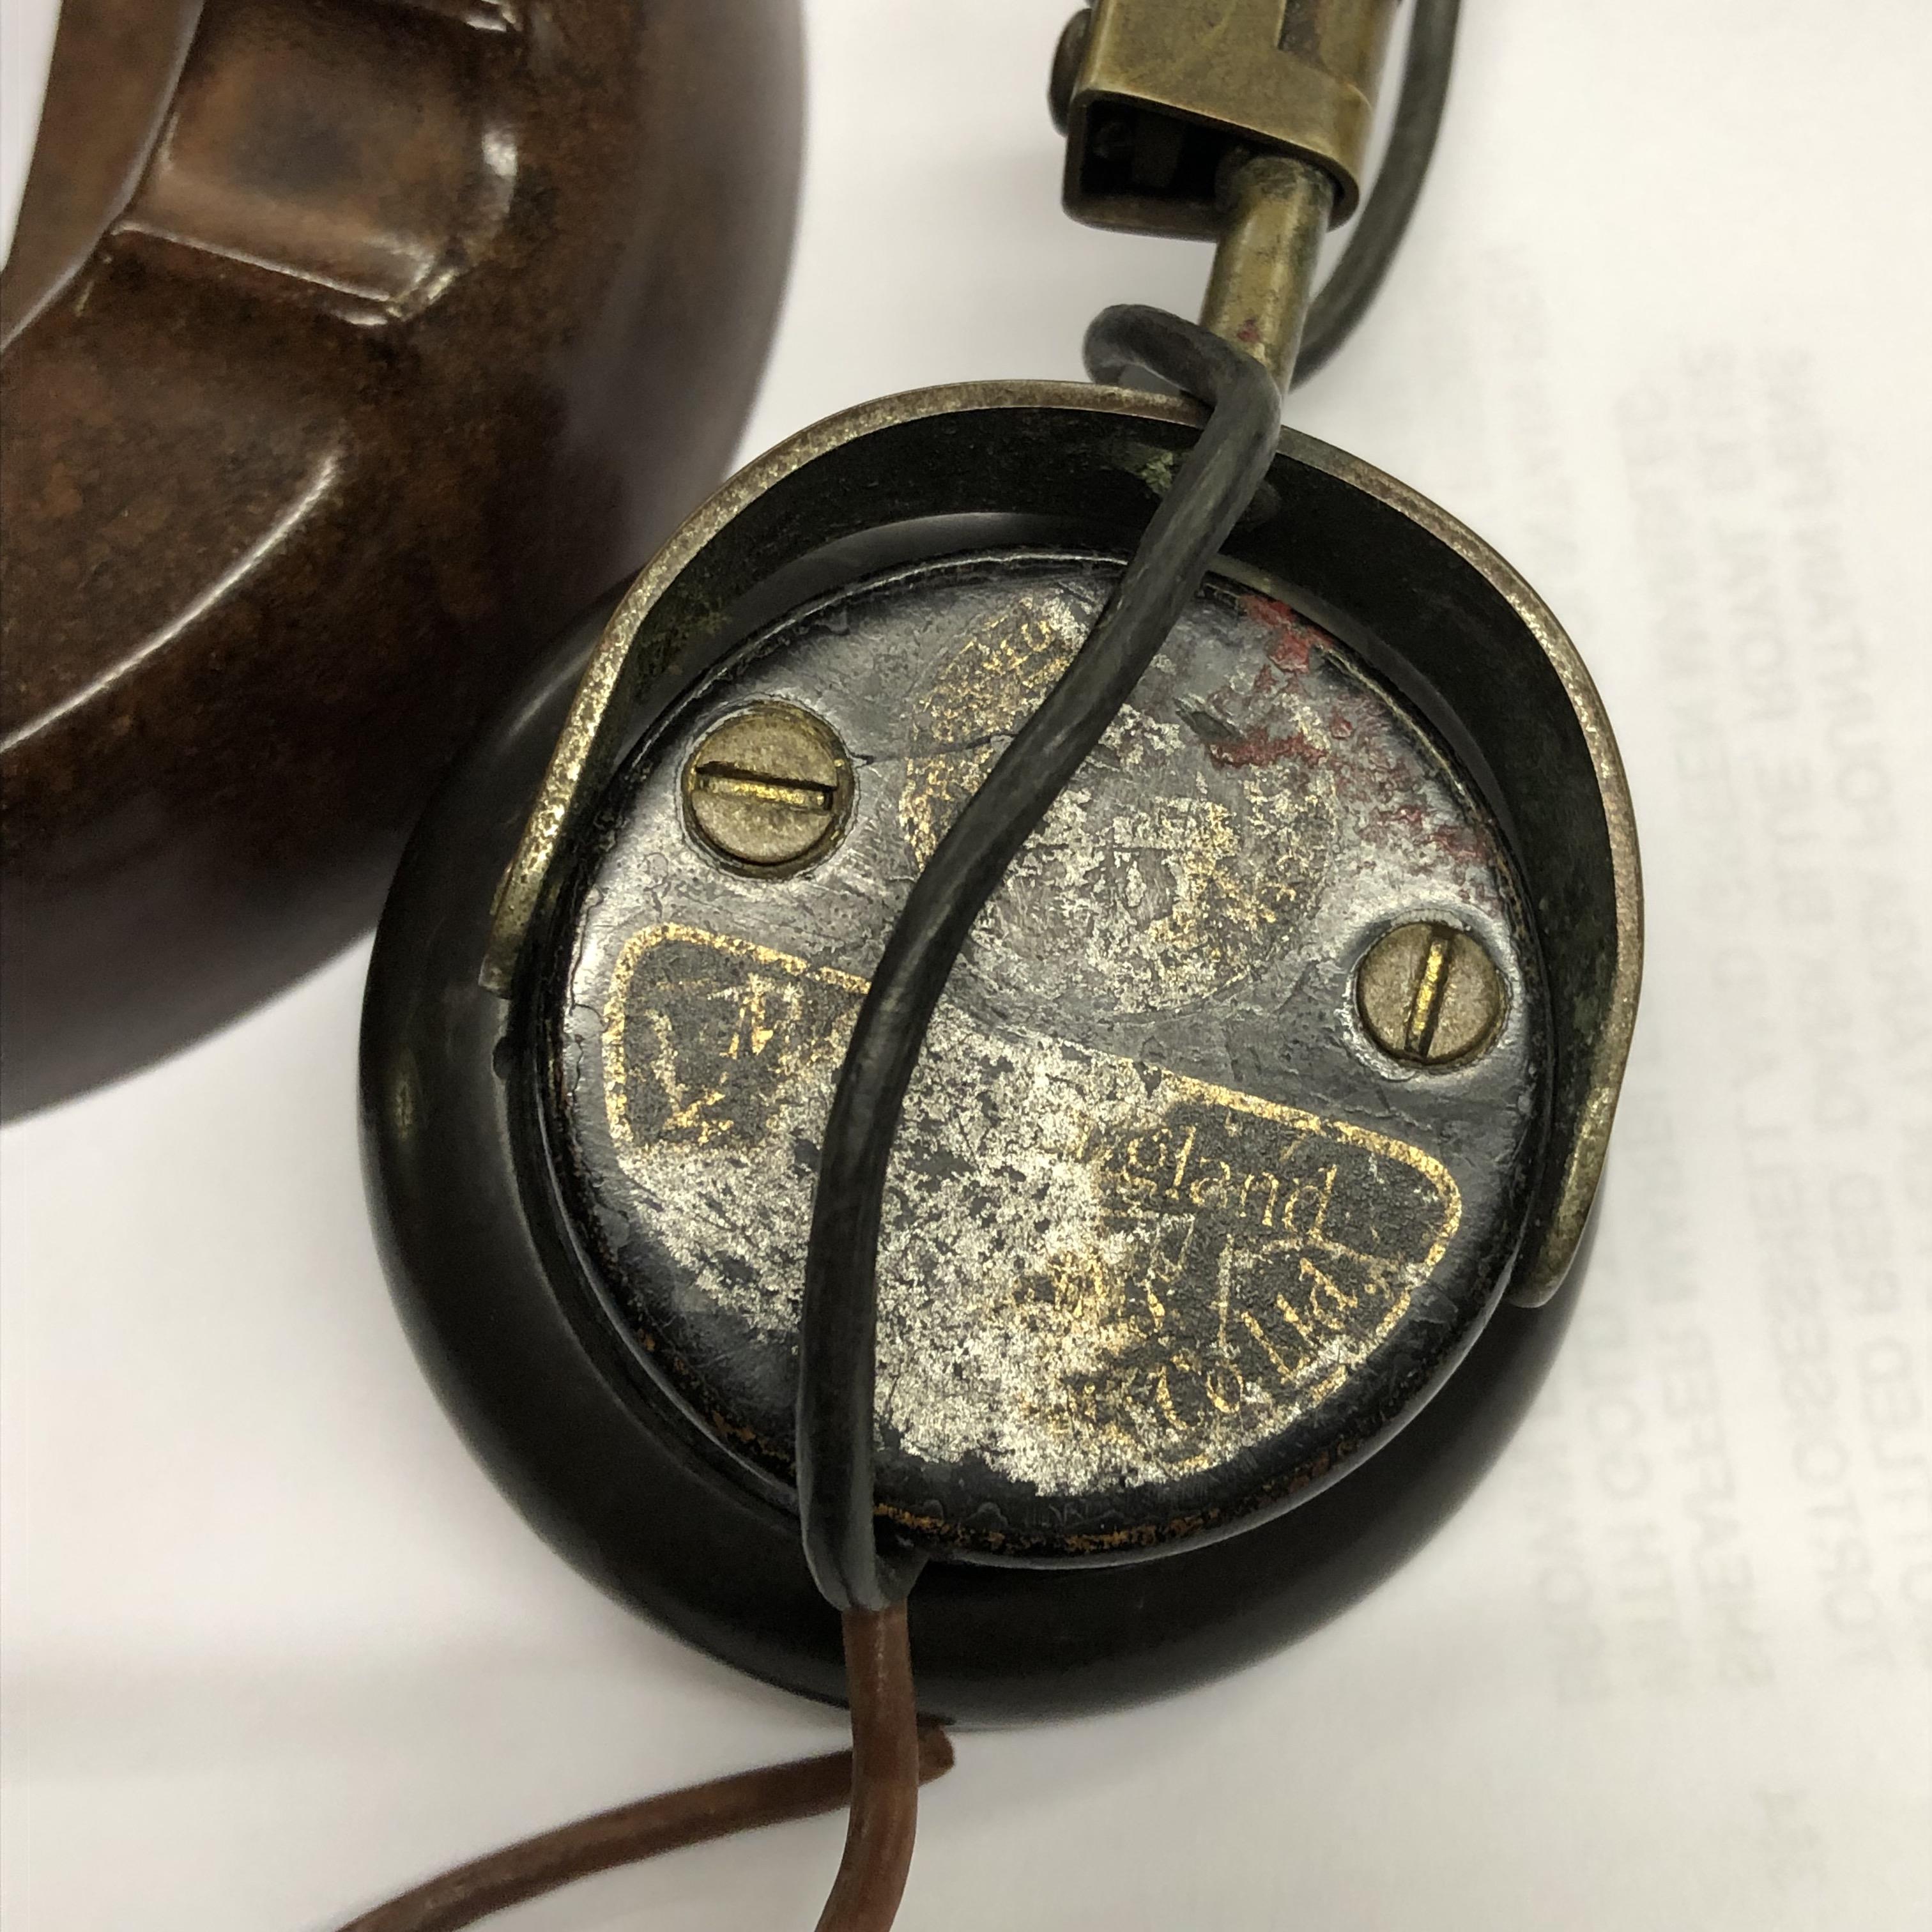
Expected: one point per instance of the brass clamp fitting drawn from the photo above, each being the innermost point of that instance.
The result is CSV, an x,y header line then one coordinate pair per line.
x,y
1243,121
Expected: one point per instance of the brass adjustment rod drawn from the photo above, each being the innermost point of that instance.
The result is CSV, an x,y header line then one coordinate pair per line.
x,y
1264,275
1242,122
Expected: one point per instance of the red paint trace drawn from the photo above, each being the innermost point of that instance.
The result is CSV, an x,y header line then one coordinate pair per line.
x,y
1258,747
1295,637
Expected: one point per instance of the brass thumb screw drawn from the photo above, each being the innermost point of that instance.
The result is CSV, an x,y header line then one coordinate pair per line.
x,y
1430,995
769,790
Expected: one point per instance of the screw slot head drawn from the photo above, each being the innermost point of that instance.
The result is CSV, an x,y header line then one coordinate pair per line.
x,y
1430,995
769,790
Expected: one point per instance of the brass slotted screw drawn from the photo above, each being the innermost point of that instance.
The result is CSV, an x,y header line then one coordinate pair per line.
x,y
769,790
1430,994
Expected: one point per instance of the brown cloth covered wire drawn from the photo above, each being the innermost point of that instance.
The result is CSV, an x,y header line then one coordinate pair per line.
x,y
879,1778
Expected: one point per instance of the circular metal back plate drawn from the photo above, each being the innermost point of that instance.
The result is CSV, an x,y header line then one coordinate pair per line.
x,y
1169,1235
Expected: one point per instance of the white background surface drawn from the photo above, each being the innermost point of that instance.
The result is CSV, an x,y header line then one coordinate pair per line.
x,y
275,1646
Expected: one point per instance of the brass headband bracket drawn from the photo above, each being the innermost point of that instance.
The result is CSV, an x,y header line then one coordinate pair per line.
x,y
1155,95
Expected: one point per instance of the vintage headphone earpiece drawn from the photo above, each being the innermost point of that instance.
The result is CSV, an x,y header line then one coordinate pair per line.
x,y
1049,977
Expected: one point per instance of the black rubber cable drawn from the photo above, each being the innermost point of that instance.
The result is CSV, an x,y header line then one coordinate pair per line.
x,y
1342,300
837,1364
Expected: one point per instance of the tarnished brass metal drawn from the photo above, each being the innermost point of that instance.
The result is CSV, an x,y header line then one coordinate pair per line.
x,y
1491,654
1429,994
769,789
1263,275
1066,57
1166,89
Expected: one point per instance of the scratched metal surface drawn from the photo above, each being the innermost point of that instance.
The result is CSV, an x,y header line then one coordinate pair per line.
x,y
1167,1238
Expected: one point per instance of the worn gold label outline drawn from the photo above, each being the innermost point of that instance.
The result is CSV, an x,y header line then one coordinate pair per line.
x,y
1175,1090
616,1072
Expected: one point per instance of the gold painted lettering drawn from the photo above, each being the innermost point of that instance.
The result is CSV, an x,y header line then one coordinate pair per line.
x,y
1207,1190
1328,1302
1180,1165
1268,1348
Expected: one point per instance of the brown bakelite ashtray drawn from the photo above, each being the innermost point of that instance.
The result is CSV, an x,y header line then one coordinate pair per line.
x,y
351,347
